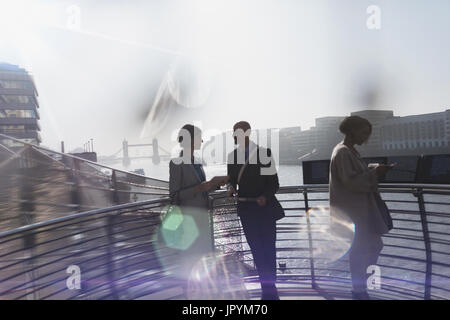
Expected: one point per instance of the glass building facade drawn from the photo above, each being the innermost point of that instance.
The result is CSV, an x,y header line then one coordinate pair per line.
x,y
19,115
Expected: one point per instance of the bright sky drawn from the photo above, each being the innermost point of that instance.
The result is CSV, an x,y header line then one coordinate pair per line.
x,y
98,64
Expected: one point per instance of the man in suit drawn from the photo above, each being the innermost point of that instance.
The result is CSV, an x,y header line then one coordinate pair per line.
x,y
253,178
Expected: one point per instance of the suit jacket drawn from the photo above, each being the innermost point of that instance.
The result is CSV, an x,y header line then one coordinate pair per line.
x,y
182,180
258,179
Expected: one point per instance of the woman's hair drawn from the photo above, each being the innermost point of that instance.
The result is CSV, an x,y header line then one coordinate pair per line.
x,y
350,124
191,129
244,125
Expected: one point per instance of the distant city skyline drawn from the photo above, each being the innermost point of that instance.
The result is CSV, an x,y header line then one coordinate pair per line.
x,y
98,66
427,133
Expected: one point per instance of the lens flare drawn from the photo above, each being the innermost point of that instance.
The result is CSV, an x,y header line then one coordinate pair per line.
x,y
217,277
190,81
178,230
330,235
184,236
173,218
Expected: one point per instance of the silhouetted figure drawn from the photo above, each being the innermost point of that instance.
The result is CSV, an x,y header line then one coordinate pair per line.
x,y
354,194
252,173
188,190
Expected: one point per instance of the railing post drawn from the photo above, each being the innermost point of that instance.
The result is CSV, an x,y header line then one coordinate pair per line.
x,y
115,195
305,197
310,241
27,208
426,240
75,193
211,223
110,255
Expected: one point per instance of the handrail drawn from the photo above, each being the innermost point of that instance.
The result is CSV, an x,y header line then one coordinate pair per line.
x,y
78,158
77,179
380,186
82,215
124,236
429,236
215,194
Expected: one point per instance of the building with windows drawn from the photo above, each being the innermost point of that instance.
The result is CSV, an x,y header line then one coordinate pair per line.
x,y
19,115
325,135
377,118
425,132
315,143
391,135
289,145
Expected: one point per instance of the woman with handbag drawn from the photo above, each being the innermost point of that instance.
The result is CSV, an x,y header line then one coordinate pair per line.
x,y
188,189
354,195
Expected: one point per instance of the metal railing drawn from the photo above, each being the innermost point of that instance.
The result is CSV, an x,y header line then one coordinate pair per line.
x,y
38,184
110,246
115,249
414,263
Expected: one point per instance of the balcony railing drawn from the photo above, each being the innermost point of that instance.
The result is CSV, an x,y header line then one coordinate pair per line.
x,y
45,184
115,250
414,262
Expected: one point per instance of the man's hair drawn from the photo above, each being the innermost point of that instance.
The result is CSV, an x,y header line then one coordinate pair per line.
x,y
244,125
191,129
352,123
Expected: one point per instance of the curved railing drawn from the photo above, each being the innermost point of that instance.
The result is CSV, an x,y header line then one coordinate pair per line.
x,y
34,259
414,262
114,248
38,184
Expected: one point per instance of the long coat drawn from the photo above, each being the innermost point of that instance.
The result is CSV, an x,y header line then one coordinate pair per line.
x,y
195,229
353,191
182,179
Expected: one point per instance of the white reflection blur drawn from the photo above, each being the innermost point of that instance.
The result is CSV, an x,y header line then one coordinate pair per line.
x,y
331,236
189,81
217,277
184,237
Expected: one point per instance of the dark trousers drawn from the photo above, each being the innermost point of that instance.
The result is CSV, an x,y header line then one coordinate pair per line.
x,y
260,233
365,250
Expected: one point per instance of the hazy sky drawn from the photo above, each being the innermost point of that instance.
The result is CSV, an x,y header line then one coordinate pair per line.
x,y
99,65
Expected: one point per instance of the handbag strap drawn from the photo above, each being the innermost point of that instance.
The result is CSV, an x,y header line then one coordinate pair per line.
x,y
177,193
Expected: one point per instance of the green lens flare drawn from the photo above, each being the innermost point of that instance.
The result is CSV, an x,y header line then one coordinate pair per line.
x,y
173,219
179,230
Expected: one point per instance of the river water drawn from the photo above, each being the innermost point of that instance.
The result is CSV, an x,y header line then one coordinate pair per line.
x,y
287,174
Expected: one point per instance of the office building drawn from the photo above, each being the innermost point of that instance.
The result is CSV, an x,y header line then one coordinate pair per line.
x,y
19,115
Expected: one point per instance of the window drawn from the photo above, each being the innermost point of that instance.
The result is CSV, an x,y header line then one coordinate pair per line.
x,y
15,84
16,99
417,131
22,127
436,129
430,130
12,130
405,131
20,113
